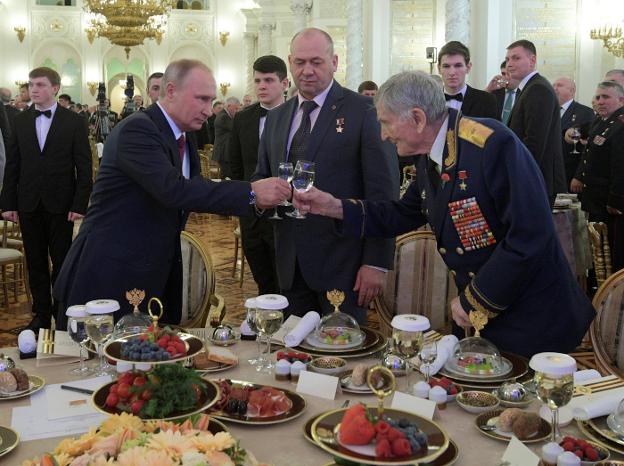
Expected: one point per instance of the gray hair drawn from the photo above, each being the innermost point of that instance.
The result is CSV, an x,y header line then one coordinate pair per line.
x,y
177,71
409,89
232,100
612,85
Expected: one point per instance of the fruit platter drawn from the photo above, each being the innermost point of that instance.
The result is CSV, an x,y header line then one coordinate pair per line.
x,y
249,403
586,451
396,438
157,345
167,391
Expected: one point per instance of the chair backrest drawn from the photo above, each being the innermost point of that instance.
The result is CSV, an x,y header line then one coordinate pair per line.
x,y
601,252
606,329
420,282
198,281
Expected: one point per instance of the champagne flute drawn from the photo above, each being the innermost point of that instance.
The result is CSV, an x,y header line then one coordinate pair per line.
x,y
285,172
575,135
303,180
554,382
269,321
76,328
99,328
428,355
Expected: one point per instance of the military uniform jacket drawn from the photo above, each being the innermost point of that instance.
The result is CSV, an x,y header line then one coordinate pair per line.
x,y
490,213
602,167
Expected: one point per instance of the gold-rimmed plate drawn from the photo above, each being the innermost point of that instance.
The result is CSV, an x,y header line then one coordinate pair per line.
x,y
452,368
374,342
520,371
214,366
347,385
601,430
370,338
36,384
206,400
447,458
598,437
8,440
194,346
296,409
543,432
325,426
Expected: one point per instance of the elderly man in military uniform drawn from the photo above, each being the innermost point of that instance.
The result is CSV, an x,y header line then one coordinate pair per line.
x,y
599,179
486,201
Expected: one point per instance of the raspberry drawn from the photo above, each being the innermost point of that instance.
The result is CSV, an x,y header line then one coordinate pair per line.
x,y
401,447
383,449
394,434
568,445
382,428
591,453
579,453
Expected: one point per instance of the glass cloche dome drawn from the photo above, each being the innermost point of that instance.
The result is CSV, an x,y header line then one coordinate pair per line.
x,y
615,421
135,322
476,356
338,328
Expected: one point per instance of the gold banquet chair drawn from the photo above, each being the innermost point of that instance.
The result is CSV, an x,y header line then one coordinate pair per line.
x,y
601,252
199,301
13,271
606,330
419,284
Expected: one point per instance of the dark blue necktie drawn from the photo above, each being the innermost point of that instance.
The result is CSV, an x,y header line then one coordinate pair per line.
x,y
299,142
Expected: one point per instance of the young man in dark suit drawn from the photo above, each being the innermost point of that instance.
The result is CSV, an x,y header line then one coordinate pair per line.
x,y
535,116
573,115
270,80
336,129
454,65
46,186
147,183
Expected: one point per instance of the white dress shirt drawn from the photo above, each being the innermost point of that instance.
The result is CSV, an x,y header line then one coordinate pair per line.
x,y
565,107
525,80
456,104
186,167
43,123
437,149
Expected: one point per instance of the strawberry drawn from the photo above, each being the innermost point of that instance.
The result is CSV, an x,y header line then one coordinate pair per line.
x,y
358,431
280,355
171,350
353,411
401,447
567,439
136,406
568,445
180,347
111,400
383,449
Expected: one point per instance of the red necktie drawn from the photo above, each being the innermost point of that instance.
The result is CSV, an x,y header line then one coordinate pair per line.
x,y
181,147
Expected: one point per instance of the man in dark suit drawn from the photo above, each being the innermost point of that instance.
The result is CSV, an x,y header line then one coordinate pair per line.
x,y
223,130
535,116
454,65
11,111
336,129
270,80
503,88
147,183
489,210
573,115
46,186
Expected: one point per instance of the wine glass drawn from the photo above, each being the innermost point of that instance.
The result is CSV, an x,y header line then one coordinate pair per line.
x,y
303,180
99,329
285,172
250,318
428,355
502,82
554,382
408,344
575,135
76,328
268,322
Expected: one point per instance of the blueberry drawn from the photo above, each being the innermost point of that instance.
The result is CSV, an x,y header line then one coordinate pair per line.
x,y
403,422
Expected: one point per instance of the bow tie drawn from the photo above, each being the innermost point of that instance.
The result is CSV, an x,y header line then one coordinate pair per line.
x,y
47,113
459,97
263,112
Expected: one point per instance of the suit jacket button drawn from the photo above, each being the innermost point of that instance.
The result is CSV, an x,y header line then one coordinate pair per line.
x,y
471,274
459,251
442,251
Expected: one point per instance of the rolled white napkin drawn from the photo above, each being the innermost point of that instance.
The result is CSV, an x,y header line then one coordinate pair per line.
x,y
27,342
305,326
245,330
585,375
445,350
599,404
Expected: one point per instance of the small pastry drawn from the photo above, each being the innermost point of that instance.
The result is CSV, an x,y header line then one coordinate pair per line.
x,y
438,394
21,377
526,425
8,383
282,369
295,368
421,389
567,458
507,418
358,376
550,452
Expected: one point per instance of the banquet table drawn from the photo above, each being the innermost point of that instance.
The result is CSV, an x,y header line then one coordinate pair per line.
x,y
284,444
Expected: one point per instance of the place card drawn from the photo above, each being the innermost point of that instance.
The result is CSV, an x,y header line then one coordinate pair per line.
x,y
55,347
315,384
413,404
518,454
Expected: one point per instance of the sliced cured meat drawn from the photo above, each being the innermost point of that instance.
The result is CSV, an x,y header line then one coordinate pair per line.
x,y
266,402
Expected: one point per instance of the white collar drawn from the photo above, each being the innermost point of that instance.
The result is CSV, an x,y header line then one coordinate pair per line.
x,y
462,91
566,105
319,99
176,131
437,149
52,108
525,80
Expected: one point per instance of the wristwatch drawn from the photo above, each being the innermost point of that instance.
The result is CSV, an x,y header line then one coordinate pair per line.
x,y
252,197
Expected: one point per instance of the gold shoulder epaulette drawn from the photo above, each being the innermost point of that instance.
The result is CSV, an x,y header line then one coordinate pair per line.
x,y
474,132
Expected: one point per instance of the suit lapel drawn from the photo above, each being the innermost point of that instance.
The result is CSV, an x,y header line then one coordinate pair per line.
x,y
326,117
466,106
158,117
283,131
32,130
566,119
520,97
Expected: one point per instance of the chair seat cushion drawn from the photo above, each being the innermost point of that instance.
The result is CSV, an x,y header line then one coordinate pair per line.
x,y
9,254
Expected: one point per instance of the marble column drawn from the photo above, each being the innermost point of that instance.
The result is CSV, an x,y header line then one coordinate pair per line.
x,y
458,21
301,9
354,44
249,44
265,41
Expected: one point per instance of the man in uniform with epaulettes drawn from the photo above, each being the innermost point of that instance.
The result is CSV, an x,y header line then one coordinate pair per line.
x,y
487,204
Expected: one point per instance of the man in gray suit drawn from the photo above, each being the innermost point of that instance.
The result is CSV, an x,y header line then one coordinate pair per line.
x,y
338,130
223,130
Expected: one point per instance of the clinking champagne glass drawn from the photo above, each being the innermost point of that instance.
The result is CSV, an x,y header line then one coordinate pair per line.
x,y
428,355
575,135
285,171
502,82
303,180
268,322
554,382
99,328
408,338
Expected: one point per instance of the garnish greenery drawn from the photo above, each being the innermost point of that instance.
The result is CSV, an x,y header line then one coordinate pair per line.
x,y
173,388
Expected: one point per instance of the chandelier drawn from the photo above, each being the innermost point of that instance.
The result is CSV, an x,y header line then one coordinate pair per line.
x,y
612,38
128,23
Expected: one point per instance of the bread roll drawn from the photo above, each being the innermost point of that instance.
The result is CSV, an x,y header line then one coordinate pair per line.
x,y
21,377
507,418
526,425
8,383
358,376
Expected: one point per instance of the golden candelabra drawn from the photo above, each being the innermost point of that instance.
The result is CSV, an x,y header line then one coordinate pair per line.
x,y
92,85
612,38
91,34
21,32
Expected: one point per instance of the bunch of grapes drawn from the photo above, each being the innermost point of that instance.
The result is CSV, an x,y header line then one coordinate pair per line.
x,y
143,350
416,437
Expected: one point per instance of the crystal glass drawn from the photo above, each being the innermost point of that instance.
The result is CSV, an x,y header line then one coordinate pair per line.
x,y
250,318
303,180
285,171
615,420
407,344
99,329
575,135
76,328
502,82
268,321
428,354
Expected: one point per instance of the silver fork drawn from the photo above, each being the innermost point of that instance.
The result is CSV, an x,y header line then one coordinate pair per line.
x,y
346,403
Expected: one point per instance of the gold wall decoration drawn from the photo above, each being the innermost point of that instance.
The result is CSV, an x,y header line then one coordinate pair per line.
x,y
21,32
223,37
224,88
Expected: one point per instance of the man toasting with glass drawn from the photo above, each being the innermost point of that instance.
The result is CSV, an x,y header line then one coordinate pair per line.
x,y
336,130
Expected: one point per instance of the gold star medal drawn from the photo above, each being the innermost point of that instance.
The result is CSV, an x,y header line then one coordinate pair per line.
x,y
339,125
